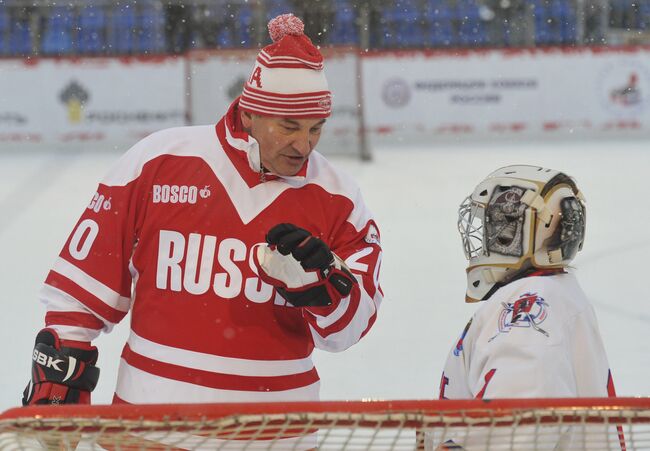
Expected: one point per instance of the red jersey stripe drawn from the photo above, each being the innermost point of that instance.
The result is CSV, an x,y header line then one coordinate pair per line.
x,y
342,322
78,319
86,298
219,380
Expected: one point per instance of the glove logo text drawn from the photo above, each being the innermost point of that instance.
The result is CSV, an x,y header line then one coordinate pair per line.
x,y
45,360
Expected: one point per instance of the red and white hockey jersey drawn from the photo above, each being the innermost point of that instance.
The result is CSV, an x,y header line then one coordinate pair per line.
x,y
169,236
536,337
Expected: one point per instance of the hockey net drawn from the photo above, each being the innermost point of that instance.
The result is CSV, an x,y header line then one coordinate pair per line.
x,y
589,424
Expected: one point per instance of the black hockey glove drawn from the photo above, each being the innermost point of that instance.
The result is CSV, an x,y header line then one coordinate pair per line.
x,y
303,268
60,374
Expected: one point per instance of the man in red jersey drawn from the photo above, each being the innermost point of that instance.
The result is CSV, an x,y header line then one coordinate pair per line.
x,y
236,247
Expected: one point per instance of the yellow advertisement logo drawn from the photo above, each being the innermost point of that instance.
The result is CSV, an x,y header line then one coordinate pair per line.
x,y
74,96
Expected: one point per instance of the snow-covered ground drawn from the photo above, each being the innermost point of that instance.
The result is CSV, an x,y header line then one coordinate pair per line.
x,y
414,193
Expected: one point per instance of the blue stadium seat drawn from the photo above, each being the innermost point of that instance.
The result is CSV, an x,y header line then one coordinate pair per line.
x,y
20,40
224,37
244,24
439,32
563,15
276,7
543,35
344,26
122,30
58,39
471,29
151,29
5,30
401,24
644,15
388,34
219,16
92,22
409,30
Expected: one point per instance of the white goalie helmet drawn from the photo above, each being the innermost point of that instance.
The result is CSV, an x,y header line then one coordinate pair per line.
x,y
520,218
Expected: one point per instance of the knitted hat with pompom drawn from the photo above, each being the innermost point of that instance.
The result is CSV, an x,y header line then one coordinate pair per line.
x,y
288,78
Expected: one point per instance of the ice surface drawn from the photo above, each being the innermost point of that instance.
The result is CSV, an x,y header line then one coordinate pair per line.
x,y
414,193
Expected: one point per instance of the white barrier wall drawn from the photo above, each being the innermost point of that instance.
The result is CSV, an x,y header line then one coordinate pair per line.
x,y
418,95
528,92
98,101
218,78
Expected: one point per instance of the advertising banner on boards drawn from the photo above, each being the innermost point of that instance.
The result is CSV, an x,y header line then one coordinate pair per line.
x,y
102,100
418,95
498,91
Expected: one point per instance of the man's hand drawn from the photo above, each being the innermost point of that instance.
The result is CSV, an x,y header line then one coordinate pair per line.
x,y
61,374
302,267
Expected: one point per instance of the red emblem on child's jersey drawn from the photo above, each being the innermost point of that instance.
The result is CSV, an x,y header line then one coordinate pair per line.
x,y
530,310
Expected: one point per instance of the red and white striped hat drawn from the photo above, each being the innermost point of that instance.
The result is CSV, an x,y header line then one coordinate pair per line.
x,y
288,78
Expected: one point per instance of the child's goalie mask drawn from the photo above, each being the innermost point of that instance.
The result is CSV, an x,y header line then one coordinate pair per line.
x,y
518,218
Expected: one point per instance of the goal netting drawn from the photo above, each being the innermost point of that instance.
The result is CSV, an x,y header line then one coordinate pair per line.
x,y
587,424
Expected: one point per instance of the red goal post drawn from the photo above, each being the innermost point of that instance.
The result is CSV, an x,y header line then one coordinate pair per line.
x,y
585,423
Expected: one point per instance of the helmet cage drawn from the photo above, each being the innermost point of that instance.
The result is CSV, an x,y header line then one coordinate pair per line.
x,y
470,226
498,228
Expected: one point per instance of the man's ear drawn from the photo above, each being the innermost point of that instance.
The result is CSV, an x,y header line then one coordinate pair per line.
x,y
246,119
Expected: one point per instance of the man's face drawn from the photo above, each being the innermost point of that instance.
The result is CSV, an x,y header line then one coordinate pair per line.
x,y
285,143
